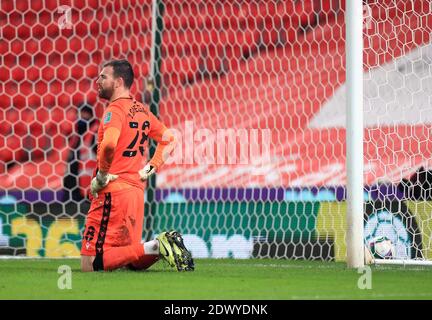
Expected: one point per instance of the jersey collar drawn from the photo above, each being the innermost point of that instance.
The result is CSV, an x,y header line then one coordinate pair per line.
x,y
122,98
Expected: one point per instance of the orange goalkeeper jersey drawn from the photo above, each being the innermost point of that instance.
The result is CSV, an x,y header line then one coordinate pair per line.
x,y
136,125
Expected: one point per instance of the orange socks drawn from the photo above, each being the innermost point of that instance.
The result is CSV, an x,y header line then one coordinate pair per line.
x,y
151,255
117,257
144,262
133,255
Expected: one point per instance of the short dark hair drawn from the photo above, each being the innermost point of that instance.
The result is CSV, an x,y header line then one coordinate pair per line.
x,y
123,69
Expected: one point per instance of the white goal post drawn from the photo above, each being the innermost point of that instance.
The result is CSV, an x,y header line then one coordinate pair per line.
x,y
354,136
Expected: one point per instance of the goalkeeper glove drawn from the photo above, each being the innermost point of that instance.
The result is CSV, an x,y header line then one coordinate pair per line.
x,y
101,181
146,172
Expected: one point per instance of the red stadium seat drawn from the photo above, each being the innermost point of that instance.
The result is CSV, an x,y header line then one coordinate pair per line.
x,y
22,155
48,100
28,142
59,140
34,101
38,32
45,18
20,129
79,4
47,73
52,29
81,29
41,87
62,73
7,156
69,58
19,101
15,18
214,59
77,98
10,88
242,45
12,115
70,86
306,11
89,43
77,72
28,115
42,114
83,58
30,17
9,32
25,87
92,71
23,32
13,143
51,128
57,114
18,74
74,44
32,73
179,70
43,142
55,87
36,129
47,46
40,60
5,101
86,85
61,45
5,128
71,114
7,6
64,100
54,59
10,59
50,5
36,155
17,46
4,73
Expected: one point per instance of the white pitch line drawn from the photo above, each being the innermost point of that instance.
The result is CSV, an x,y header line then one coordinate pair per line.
x,y
363,297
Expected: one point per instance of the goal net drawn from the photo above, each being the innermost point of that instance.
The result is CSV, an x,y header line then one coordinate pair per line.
x,y
254,92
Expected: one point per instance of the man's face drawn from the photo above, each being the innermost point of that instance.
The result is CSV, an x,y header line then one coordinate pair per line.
x,y
105,83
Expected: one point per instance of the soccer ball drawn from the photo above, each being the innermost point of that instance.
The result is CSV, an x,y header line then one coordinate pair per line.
x,y
381,248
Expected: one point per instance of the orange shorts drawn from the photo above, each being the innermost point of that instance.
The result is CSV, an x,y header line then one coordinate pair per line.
x,y
115,219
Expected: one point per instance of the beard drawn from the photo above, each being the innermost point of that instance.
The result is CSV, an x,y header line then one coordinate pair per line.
x,y
106,93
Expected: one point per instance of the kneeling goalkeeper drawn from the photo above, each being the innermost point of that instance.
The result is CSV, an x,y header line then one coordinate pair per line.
x,y
114,224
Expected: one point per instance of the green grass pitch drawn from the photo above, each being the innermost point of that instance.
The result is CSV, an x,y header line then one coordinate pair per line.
x,y
217,279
